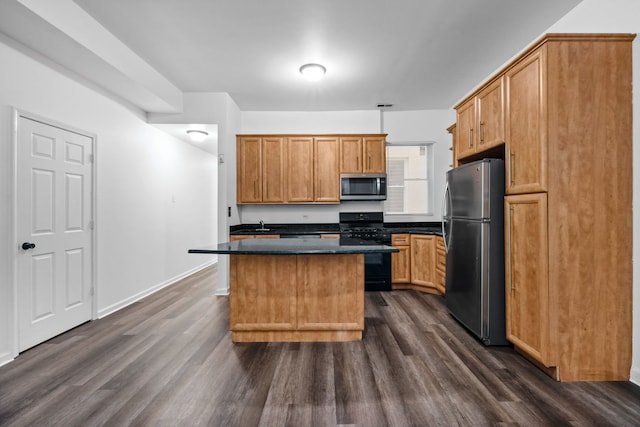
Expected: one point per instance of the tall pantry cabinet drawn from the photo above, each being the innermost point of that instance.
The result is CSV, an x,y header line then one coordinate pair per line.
x,y
568,218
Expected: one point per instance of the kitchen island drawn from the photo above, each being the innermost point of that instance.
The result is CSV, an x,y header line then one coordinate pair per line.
x,y
295,289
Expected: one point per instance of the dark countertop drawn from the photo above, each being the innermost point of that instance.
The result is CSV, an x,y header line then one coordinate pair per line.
x,y
291,247
414,230
334,228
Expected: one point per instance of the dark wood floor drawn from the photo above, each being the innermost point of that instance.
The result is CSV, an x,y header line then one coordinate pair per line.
x,y
168,361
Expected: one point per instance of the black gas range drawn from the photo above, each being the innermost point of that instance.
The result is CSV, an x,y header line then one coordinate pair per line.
x,y
367,228
364,228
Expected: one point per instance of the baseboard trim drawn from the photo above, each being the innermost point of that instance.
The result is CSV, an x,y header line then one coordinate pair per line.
x,y
137,297
6,358
635,375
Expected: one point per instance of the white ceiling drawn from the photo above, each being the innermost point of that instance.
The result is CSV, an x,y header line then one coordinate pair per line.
x,y
414,54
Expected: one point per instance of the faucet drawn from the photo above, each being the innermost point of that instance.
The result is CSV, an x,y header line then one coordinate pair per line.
x,y
261,225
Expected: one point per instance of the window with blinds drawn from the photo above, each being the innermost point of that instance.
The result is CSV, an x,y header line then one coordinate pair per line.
x,y
408,179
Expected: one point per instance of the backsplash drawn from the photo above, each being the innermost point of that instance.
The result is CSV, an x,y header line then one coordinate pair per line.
x,y
301,214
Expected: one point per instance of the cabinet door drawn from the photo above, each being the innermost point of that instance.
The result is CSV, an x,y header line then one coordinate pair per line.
x,y
266,297
490,114
401,265
526,126
299,169
441,263
423,260
330,299
374,154
454,158
465,132
327,170
351,154
249,173
273,155
526,275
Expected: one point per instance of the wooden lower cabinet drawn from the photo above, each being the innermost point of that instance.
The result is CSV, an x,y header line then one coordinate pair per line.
x,y
423,261
296,297
263,293
330,293
526,276
401,261
568,303
441,265
420,264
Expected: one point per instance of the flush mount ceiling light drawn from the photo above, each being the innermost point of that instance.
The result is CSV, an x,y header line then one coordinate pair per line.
x,y
197,135
312,72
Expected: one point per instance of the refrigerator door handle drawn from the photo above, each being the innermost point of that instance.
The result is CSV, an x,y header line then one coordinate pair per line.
x,y
446,201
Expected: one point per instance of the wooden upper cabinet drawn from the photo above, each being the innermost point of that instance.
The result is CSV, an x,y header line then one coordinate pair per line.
x,y
249,165
374,154
300,176
363,154
327,169
351,154
465,129
273,155
303,168
260,164
526,278
525,125
490,116
480,121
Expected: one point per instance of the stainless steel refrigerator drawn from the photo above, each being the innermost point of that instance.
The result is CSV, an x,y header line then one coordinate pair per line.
x,y
473,231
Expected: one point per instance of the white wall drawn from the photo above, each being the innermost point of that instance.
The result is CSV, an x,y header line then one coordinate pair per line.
x,y
425,125
429,125
156,196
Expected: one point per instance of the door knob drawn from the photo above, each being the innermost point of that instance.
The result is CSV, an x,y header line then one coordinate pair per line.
x,y
26,246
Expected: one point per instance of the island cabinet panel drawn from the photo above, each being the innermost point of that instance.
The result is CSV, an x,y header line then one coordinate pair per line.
x,y
263,293
331,299
296,297
526,130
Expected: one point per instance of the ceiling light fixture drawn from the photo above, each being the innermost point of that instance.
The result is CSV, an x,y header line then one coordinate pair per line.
x,y
197,135
312,72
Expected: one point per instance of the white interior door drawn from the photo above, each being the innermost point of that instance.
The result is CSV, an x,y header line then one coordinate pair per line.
x,y
54,221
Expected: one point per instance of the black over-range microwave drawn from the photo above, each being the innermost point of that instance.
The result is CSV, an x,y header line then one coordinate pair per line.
x,y
368,186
